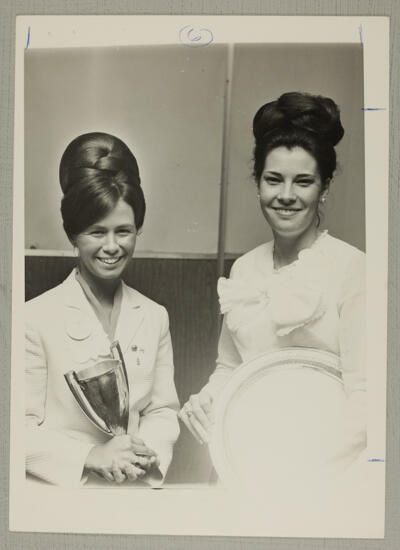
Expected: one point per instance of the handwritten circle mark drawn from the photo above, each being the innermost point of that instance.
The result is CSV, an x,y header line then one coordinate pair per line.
x,y
193,38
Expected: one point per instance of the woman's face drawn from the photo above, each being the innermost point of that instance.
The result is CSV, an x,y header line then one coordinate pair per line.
x,y
290,189
106,246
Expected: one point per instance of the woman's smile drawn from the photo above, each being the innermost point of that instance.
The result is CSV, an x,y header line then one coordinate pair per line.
x,y
285,212
111,261
106,246
290,190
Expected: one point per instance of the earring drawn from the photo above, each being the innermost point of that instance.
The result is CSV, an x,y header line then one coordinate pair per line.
x,y
322,200
75,251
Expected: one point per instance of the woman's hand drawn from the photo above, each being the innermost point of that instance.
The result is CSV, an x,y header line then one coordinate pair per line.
x,y
122,457
143,452
197,415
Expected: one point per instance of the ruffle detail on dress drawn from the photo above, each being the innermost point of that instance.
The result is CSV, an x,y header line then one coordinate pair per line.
x,y
294,302
290,298
241,300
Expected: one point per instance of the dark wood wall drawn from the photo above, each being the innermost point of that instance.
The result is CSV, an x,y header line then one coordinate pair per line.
x,y
187,288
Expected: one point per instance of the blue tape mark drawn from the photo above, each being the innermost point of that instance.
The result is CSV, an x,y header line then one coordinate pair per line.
x,y
373,108
376,460
360,32
193,38
29,38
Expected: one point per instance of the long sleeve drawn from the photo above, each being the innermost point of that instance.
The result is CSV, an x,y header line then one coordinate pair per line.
x,y
50,455
352,341
352,327
159,427
228,360
228,356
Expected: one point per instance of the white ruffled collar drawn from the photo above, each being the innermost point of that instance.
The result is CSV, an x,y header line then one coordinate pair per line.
x,y
290,297
302,254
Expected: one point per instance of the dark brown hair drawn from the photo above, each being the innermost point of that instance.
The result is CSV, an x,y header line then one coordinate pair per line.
x,y
96,171
298,120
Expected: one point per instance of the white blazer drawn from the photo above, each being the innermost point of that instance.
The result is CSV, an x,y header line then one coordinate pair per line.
x,y
63,333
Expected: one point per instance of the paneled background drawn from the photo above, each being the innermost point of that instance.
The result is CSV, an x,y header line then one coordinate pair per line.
x,y
166,103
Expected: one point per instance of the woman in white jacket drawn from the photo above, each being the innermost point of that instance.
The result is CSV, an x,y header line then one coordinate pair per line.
x,y
73,325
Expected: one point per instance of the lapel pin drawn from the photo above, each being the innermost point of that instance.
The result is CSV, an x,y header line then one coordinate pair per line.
x,y
137,349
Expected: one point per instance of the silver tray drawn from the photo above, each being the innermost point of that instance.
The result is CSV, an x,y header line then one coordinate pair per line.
x,y
279,420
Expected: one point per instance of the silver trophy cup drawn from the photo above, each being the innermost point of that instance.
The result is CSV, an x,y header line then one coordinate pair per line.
x,y
102,392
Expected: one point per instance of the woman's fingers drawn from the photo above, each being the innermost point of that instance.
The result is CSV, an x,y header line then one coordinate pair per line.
x,y
205,401
185,419
129,468
119,476
201,432
142,451
109,459
141,461
144,462
196,414
133,472
155,461
136,440
105,474
199,410
188,417
139,447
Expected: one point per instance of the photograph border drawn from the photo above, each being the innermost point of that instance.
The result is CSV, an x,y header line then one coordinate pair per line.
x,y
308,544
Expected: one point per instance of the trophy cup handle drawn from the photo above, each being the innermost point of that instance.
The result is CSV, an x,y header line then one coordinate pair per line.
x,y
84,404
116,352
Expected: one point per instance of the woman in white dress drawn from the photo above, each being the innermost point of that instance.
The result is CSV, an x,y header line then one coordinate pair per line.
x,y
305,288
72,326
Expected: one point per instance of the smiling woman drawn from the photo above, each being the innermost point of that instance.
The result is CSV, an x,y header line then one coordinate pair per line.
x,y
106,248
304,289
290,191
76,324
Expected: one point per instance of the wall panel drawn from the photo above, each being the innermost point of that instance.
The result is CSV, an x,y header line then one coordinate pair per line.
x,y
165,102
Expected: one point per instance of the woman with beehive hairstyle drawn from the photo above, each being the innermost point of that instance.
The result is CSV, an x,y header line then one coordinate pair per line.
x,y
73,325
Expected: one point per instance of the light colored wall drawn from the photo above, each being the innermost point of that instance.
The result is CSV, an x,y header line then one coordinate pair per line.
x,y
166,103
261,74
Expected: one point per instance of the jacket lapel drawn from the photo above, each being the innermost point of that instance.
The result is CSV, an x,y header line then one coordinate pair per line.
x,y
130,318
82,322
86,339
76,302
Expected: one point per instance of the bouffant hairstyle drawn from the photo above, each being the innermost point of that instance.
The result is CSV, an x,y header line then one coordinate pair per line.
x,y
96,171
298,120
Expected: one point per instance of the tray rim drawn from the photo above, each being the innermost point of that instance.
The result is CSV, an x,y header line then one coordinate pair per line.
x,y
324,362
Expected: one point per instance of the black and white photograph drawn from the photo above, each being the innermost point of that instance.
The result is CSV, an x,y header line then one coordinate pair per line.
x,y
200,264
